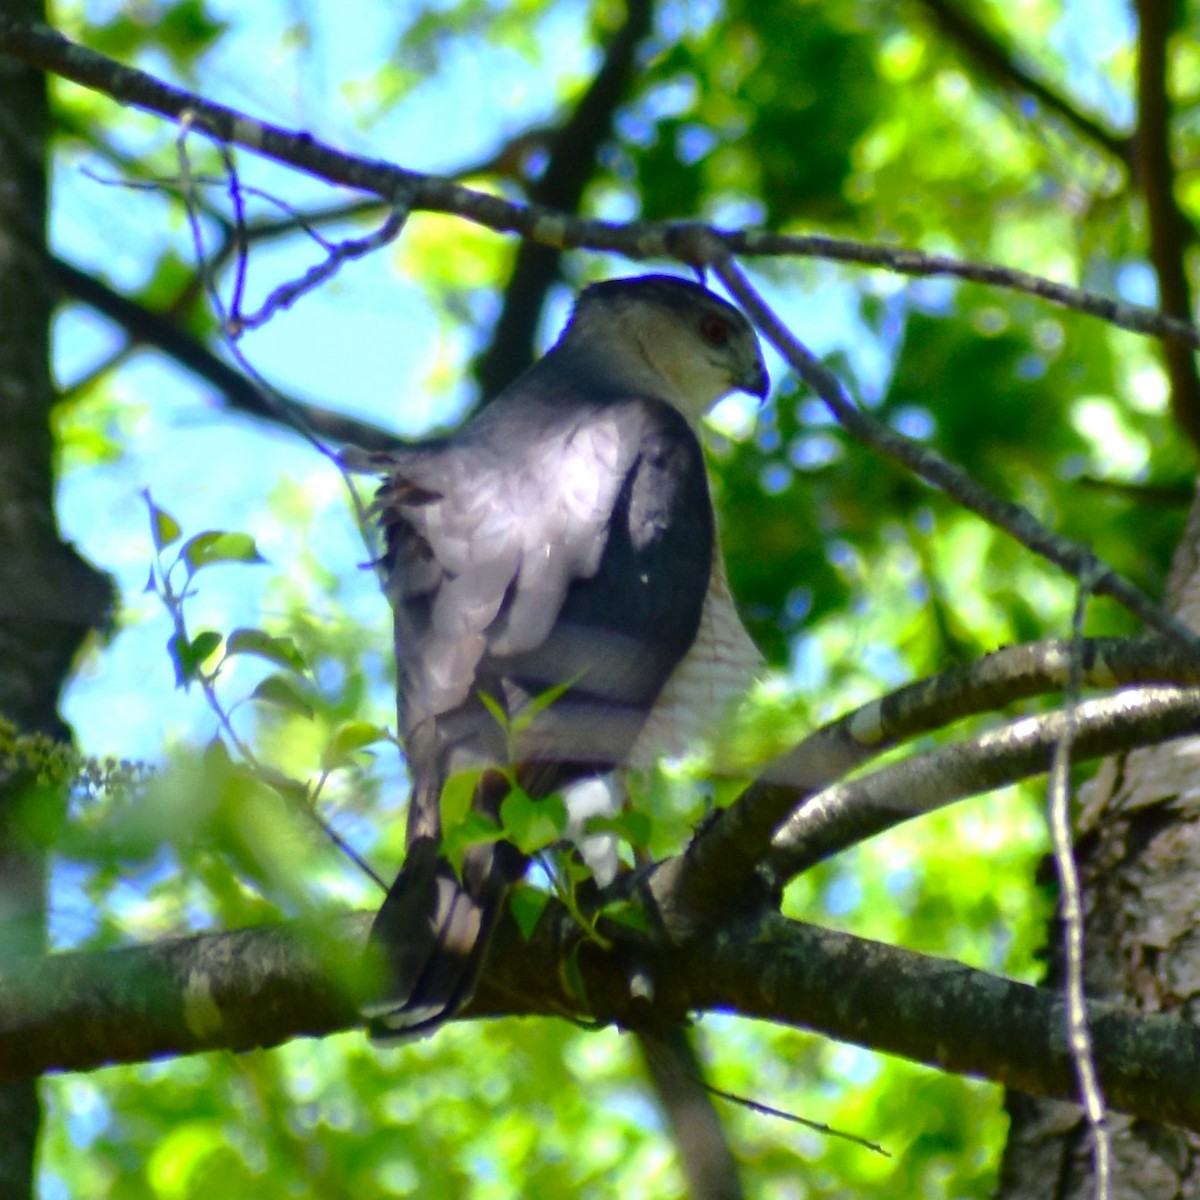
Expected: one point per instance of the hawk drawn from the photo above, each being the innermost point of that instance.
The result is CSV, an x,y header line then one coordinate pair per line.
x,y
559,598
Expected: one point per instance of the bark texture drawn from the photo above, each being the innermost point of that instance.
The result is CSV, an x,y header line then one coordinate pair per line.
x,y
1139,854
48,596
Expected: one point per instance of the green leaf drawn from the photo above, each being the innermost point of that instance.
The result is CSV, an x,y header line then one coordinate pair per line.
x,y
164,529
349,738
186,29
217,756
495,708
282,691
633,826
188,656
532,824
527,905
539,704
572,978
282,651
458,794
475,829
215,546
627,914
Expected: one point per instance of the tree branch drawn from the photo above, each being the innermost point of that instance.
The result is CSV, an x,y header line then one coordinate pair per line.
x,y
258,987
726,855
235,990
240,393
849,813
1073,557
984,47
411,190
1003,677
943,1014
1170,235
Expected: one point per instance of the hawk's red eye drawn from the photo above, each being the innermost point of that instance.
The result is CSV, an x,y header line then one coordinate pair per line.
x,y
714,330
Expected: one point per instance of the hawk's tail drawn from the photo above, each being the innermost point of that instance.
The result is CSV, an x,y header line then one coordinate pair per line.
x,y
429,939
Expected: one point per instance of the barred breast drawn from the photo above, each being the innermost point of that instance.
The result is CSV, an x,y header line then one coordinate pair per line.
x,y
719,669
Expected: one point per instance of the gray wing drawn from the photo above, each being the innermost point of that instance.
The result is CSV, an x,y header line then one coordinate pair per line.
x,y
543,546
485,535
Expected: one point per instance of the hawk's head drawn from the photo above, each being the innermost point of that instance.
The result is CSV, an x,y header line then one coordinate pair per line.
x,y
690,344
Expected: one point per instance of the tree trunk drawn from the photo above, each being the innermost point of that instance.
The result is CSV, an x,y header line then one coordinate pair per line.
x,y
49,597
1139,855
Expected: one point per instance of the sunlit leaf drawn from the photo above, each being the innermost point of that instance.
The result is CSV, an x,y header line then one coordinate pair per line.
x,y
283,691
458,794
164,529
475,829
348,739
214,546
189,655
282,651
532,824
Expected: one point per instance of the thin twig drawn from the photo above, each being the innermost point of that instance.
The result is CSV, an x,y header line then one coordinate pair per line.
x,y
241,394
783,1115
1079,1034
287,412
240,250
658,1052
297,423
340,253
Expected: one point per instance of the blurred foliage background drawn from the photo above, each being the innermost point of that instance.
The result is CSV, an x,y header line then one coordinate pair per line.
x,y
856,118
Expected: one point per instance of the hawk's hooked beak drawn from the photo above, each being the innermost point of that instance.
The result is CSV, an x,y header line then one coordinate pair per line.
x,y
755,380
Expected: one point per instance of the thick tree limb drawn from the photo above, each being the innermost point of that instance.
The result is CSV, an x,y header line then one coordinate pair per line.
x,y
944,1014
258,987
234,991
